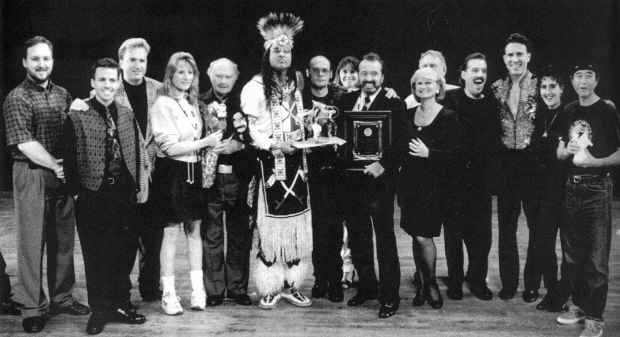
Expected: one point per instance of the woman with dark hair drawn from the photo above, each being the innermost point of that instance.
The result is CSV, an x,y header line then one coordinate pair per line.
x,y
427,178
548,129
272,100
178,131
346,74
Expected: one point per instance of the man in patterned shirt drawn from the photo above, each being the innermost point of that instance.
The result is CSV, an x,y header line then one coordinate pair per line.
x,y
517,97
34,113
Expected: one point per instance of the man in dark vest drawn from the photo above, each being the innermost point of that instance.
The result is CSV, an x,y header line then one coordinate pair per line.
x,y
103,180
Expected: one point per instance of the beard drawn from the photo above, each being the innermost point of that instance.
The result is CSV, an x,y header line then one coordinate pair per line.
x,y
36,78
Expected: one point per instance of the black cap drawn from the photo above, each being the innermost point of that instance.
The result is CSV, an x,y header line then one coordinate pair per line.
x,y
586,66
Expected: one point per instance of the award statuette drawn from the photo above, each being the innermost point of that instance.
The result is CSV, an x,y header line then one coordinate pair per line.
x,y
367,134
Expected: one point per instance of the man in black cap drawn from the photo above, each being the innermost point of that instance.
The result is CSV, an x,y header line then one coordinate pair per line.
x,y
590,147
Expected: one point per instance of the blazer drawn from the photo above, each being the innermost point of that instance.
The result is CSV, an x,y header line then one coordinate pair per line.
x,y
153,90
391,160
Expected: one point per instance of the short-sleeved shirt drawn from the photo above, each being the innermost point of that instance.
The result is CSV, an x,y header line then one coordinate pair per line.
x,y
34,113
601,123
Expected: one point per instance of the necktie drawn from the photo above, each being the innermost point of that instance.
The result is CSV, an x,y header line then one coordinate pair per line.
x,y
112,146
366,103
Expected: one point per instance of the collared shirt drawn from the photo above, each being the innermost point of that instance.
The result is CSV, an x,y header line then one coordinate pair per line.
x,y
517,130
34,113
359,105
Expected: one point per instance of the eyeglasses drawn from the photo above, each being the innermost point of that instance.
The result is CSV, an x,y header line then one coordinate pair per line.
x,y
317,71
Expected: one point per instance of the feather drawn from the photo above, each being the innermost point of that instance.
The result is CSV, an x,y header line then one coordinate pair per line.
x,y
281,27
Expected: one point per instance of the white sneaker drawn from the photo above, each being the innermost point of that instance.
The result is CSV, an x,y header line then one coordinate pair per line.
x,y
296,298
572,316
270,301
171,305
592,329
199,300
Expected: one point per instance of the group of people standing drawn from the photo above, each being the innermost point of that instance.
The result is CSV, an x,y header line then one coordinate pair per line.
x,y
142,159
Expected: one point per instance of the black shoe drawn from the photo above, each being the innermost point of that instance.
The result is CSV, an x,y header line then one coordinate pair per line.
x,y
10,307
545,303
319,290
76,308
127,316
215,300
482,292
95,324
335,293
437,301
243,299
152,296
33,324
419,298
361,298
388,309
530,295
506,294
455,292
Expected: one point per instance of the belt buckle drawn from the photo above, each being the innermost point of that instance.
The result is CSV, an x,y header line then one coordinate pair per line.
x,y
224,169
576,179
110,181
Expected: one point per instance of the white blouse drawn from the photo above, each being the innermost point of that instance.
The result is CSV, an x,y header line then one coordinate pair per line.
x,y
174,121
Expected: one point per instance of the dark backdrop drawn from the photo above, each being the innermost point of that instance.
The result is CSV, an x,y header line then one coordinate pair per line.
x,y
562,32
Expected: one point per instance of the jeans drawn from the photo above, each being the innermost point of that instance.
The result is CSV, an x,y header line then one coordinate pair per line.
x,y
586,239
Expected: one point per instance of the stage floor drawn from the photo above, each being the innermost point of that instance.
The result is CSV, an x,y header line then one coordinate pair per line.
x,y
469,317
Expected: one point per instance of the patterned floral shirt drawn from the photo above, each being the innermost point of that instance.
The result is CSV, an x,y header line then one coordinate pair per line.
x,y
517,132
34,113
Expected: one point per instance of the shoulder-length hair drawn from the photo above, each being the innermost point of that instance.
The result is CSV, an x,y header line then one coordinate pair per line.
x,y
347,61
267,73
171,69
424,73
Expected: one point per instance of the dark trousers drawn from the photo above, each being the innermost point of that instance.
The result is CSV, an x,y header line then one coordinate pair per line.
x,y
44,212
372,206
229,194
327,229
5,283
150,235
586,239
106,226
473,226
521,186
546,263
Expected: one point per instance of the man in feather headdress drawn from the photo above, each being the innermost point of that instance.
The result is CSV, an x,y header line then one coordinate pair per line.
x,y
272,100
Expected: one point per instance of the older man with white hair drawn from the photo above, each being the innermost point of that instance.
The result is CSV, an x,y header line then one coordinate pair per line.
x,y
431,59
228,194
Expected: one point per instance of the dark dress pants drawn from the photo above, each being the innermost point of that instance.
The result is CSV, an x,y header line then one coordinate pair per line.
x,y
371,203
150,236
521,187
327,229
471,225
5,283
106,226
229,194
546,263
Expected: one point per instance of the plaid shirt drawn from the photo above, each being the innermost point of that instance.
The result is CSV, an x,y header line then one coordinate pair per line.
x,y
32,113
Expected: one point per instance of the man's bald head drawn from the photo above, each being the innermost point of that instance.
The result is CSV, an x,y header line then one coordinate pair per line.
x,y
319,71
223,74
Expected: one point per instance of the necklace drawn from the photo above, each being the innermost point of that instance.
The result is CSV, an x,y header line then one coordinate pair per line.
x,y
552,120
194,124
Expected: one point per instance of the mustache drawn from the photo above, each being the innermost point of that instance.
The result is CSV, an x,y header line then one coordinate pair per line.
x,y
40,69
479,78
369,82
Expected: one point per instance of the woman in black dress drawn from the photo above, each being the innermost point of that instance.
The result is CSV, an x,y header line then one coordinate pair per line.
x,y
428,179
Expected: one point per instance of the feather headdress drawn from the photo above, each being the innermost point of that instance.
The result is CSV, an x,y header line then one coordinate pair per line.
x,y
279,29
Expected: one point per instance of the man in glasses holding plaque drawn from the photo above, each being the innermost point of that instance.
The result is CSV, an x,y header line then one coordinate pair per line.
x,y
372,193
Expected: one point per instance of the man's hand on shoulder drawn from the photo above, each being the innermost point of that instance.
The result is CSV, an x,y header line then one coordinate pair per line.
x,y
79,105
391,93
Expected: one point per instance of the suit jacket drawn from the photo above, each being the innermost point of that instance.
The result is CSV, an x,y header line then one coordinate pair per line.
x,y
85,133
391,159
153,90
